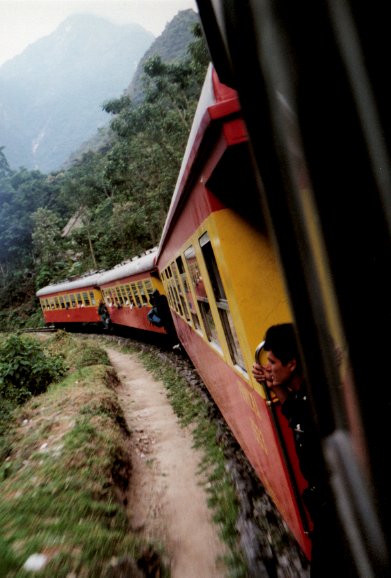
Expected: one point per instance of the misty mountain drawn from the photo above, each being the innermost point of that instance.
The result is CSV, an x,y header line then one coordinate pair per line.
x,y
171,45
51,95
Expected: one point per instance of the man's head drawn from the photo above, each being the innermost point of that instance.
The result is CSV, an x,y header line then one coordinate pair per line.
x,y
283,354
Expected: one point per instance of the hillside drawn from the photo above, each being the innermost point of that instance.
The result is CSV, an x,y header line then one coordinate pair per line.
x,y
171,45
51,95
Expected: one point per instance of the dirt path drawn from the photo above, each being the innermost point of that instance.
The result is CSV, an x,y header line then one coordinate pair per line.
x,y
166,500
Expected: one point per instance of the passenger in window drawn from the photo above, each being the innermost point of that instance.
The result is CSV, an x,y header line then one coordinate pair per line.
x,y
104,314
160,303
284,376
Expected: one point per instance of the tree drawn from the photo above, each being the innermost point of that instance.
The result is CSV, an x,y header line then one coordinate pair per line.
x,y
5,170
46,236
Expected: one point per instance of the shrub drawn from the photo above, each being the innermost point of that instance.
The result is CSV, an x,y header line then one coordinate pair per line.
x,y
25,369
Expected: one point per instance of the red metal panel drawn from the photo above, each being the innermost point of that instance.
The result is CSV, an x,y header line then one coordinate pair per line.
x,y
221,91
135,317
76,315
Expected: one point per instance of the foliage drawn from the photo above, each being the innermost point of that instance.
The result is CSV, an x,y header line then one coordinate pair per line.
x,y
121,193
46,236
62,489
25,369
5,170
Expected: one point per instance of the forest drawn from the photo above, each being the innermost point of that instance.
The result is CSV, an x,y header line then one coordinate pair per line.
x,y
117,196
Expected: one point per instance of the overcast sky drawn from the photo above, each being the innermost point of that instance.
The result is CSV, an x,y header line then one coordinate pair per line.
x,y
24,21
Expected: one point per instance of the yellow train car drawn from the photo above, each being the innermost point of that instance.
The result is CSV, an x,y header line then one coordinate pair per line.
x,y
224,287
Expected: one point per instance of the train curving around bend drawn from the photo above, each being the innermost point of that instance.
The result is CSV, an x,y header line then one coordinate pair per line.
x,y
281,213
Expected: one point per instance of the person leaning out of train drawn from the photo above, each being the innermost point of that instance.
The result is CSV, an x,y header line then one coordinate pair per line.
x,y
104,314
283,375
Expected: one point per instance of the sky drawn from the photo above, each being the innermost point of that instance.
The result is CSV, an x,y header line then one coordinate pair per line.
x,y
22,22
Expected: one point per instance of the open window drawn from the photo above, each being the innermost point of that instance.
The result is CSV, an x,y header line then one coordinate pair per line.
x,y
221,302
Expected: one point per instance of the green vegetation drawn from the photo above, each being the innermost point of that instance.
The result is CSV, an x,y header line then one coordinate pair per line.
x,y
63,484
118,194
26,370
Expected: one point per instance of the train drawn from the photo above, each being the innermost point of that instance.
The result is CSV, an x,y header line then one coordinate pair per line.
x,y
211,248
126,290
281,213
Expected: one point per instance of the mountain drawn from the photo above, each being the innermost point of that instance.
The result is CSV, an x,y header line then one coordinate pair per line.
x,y
51,95
171,45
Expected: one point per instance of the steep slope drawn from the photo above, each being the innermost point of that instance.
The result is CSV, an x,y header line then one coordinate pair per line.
x,y
51,95
171,45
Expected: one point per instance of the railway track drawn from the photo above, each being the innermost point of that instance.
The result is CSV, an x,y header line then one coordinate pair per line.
x,y
41,330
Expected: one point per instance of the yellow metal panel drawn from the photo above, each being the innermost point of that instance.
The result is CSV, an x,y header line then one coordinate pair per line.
x,y
252,279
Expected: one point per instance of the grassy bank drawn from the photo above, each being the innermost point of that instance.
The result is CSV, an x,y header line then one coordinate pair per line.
x,y
63,482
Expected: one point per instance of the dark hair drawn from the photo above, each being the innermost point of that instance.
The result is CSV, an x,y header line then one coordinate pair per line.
x,y
281,341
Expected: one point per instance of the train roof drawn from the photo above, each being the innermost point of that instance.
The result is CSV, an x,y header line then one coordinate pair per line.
x,y
137,265
79,283
216,102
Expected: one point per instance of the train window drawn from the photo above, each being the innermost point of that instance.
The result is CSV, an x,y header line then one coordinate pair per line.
x,y
67,302
112,296
86,298
62,304
92,298
42,304
79,299
182,285
190,260
136,295
56,303
129,295
173,283
132,302
209,324
73,300
118,295
178,280
124,296
221,302
47,304
169,291
143,295
202,297
170,295
149,288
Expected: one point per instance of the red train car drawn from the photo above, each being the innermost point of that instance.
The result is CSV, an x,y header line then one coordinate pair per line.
x,y
71,302
315,101
224,287
126,291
